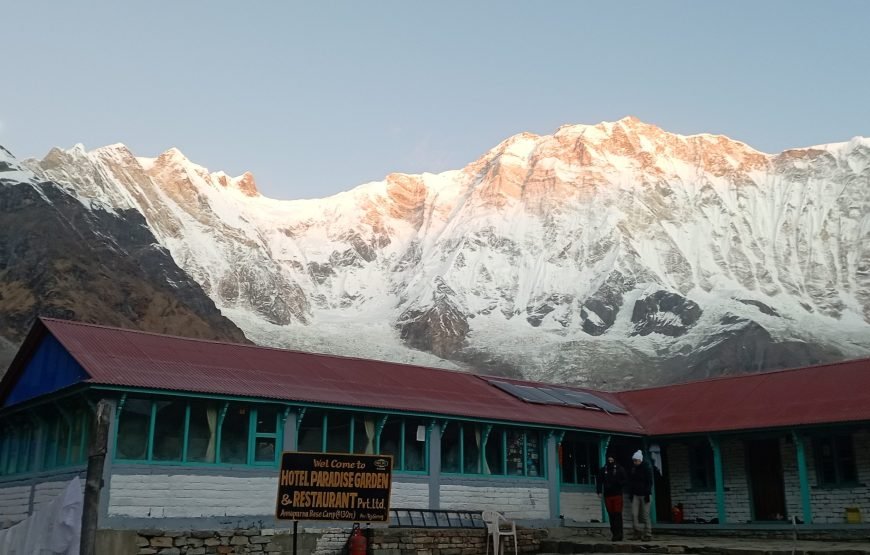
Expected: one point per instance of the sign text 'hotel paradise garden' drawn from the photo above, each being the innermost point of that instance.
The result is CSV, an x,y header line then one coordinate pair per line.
x,y
332,486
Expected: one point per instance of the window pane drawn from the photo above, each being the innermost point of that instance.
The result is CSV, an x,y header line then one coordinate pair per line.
x,y
450,448
26,447
415,448
50,453
364,434
338,432
534,453
264,449
311,432
472,438
79,447
845,459
390,440
515,458
63,441
169,430
579,462
267,420
493,453
202,432
234,435
132,430
701,465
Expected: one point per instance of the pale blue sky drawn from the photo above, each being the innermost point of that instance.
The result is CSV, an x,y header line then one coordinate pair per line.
x,y
318,97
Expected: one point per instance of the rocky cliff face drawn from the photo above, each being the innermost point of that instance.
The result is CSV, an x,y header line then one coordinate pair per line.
x,y
61,258
612,255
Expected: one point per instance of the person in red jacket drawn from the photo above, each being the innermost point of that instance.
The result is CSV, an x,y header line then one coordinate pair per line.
x,y
611,481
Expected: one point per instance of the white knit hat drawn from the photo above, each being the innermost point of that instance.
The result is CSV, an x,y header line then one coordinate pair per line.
x,y
638,456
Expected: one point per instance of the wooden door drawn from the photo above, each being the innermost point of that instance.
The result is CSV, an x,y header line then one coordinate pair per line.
x,y
764,464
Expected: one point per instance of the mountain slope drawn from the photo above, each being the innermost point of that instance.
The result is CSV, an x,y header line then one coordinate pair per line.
x,y
60,258
616,254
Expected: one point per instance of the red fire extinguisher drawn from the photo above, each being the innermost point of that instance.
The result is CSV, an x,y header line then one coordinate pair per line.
x,y
677,513
358,542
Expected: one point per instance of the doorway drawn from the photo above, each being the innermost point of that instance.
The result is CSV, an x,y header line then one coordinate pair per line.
x,y
766,486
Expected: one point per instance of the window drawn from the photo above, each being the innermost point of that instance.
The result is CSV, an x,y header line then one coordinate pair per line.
x,y
50,436
338,425
202,431
133,430
311,431
701,473
414,445
266,434
197,431
405,439
234,430
579,459
835,460
451,448
468,448
169,430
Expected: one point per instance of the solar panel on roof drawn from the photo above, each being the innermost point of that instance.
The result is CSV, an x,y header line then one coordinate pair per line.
x,y
582,398
526,393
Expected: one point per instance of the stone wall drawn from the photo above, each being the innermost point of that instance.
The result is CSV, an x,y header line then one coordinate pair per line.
x,y
423,541
310,541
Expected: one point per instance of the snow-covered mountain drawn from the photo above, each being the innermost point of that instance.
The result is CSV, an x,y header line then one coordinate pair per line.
x,y
614,254
60,258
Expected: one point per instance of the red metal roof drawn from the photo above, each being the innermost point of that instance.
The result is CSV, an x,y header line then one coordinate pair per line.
x,y
120,357
828,393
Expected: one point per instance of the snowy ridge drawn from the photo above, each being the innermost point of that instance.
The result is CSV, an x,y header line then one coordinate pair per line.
x,y
579,256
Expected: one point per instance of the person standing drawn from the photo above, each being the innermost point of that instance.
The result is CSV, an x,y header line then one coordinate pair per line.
x,y
640,482
611,481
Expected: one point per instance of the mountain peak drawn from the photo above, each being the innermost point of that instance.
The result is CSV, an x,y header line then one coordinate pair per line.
x,y
246,184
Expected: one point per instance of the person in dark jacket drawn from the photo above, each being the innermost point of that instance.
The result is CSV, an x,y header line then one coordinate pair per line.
x,y
640,481
611,481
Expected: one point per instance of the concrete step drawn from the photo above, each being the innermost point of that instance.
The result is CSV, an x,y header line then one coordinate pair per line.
x,y
712,547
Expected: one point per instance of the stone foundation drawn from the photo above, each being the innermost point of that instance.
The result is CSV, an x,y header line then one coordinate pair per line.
x,y
310,541
425,541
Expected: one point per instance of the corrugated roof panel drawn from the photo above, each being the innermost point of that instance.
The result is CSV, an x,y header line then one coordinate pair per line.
x,y
828,393
137,359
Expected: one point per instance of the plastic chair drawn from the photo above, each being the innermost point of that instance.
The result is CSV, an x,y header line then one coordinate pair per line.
x,y
494,520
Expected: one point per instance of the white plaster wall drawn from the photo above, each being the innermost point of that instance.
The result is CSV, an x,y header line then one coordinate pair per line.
x,y
14,503
406,495
580,506
185,495
515,502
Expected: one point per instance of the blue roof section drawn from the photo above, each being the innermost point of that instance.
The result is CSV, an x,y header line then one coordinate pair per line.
x,y
50,369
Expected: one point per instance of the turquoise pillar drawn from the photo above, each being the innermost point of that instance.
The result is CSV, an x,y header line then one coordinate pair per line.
x,y
802,476
720,478
603,442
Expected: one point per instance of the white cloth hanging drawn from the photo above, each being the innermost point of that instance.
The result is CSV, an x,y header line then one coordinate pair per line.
x,y
53,529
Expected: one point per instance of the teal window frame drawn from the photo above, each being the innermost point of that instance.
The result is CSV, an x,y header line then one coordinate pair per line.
x,y
250,455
